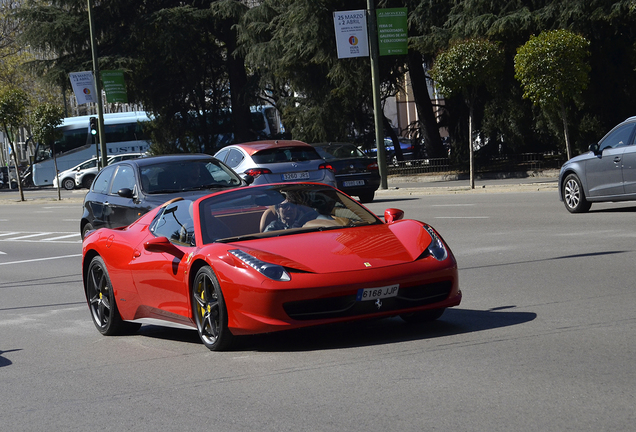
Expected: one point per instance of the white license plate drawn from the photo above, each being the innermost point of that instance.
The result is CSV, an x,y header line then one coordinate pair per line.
x,y
365,294
353,183
303,175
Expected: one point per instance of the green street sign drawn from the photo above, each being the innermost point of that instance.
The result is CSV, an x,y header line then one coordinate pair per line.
x,y
114,86
392,31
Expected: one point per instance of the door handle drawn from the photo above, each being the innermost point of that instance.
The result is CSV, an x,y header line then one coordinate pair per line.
x,y
617,159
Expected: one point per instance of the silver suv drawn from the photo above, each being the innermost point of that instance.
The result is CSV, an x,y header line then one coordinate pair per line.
x,y
606,173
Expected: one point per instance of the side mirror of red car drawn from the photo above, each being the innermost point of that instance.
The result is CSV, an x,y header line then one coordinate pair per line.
x,y
392,214
162,244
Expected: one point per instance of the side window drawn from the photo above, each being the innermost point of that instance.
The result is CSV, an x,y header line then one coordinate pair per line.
x,y
221,175
100,185
124,178
618,137
222,154
234,159
175,223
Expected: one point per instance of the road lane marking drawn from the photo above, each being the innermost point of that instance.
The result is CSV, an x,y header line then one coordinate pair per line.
x,y
41,237
29,236
61,237
452,205
462,217
41,259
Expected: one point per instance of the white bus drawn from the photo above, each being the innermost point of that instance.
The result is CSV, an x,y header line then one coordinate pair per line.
x,y
124,134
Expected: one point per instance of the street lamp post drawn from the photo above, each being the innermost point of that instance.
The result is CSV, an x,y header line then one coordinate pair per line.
x,y
98,87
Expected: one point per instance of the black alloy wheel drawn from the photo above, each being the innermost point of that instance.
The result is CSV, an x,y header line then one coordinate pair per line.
x,y
101,301
210,312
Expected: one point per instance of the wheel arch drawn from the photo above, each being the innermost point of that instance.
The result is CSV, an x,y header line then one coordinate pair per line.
x,y
570,170
86,261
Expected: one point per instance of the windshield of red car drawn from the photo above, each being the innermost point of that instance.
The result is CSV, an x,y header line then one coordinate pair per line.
x,y
274,210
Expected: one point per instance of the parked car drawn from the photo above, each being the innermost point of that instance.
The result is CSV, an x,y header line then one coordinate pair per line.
x,y
606,173
408,150
278,161
124,191
67,177
356,173
207,264
85,176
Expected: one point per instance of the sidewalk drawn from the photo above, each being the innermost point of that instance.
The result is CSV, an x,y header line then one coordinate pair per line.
x,y
437,184
423,184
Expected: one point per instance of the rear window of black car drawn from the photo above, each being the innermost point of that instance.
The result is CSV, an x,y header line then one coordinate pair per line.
x,y
285,154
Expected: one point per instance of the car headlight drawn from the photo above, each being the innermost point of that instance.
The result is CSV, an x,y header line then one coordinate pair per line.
x,y
272,271
436,248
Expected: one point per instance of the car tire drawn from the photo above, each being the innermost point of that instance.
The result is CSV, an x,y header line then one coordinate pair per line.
x,y
209,310
68,183
573,195
422,316
101,301
366,197
88,227
87,181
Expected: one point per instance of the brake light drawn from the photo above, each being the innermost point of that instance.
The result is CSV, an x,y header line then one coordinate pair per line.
x,y
372,167
326,166
255,172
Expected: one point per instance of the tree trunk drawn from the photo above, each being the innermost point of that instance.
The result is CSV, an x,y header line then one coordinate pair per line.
x,y
566,132
470,144
14,156
424,106
241,115
397,149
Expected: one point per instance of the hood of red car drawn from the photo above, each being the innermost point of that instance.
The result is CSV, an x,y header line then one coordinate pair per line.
x,y
344,249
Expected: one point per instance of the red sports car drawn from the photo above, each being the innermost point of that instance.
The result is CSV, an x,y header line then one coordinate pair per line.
x,y
263,259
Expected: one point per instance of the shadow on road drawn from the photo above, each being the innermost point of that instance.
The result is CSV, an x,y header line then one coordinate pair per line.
x,y
363,333
5,361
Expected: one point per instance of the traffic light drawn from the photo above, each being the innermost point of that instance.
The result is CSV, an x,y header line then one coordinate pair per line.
x,y
93,125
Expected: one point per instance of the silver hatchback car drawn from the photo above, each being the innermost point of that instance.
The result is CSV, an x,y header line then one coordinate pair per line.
x,y
278,161
606,173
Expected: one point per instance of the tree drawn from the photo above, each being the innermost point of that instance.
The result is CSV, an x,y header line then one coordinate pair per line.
x,y
178,57
13,106
552,69
464,68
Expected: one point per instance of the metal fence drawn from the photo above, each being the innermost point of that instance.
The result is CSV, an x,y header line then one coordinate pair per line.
x,y
506,163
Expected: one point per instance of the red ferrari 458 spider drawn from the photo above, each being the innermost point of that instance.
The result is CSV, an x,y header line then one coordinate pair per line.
x,y
262,259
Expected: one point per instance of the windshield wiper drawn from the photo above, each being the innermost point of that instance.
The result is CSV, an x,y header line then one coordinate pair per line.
x,y
209,186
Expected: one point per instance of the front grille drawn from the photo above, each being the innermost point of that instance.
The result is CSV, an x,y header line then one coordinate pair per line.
x,y
347,306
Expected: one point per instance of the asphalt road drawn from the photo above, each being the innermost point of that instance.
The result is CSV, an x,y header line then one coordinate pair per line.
x,y
543,340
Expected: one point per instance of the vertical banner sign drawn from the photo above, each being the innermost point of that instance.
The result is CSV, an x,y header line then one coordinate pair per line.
x,y
392,31
351,33
83,87
114,86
